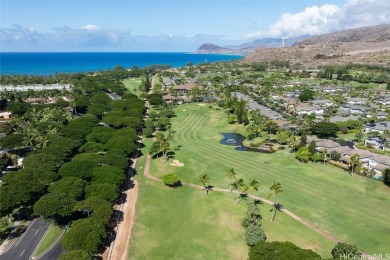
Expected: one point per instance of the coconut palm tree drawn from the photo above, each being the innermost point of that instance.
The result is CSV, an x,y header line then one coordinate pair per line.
x,y
293,142
253,186
355,162
232,175
275,189
325,153
204,179
242,187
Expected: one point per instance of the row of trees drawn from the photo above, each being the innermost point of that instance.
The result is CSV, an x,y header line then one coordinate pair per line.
x,y
77,175
101,166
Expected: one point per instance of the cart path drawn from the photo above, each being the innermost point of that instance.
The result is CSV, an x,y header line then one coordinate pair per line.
x,y
288,212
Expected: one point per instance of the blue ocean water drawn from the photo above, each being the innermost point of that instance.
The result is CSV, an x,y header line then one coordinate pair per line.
x,y
46,63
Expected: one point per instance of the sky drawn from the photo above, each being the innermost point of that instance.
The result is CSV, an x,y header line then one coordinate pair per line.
x,y
173,25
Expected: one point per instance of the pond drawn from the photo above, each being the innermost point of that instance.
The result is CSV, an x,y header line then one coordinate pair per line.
x,y
236,140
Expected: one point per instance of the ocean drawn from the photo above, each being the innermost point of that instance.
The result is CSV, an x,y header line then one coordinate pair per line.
x,y
46,63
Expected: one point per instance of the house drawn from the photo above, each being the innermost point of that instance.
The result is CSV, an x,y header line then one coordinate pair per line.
x,y
354,109
335,119
305,109
286,125
383,100
287,102
377,143
357,101
322,144
382,115
184,89
167,82
378,163
379,127
322,102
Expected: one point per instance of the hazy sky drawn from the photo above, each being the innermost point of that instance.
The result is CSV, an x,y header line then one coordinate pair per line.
x,y
173,25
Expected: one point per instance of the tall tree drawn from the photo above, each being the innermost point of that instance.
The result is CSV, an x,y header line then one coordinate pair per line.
x,y
204,179
241,187
232,176
355,163
275,189
253,186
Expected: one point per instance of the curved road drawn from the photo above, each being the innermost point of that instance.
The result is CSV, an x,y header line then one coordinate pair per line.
x,y
24,246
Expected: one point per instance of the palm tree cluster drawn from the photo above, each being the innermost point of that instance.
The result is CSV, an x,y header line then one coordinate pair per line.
x,y
253,185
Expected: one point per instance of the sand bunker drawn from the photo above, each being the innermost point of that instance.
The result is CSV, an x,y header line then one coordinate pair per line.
x,y
176,163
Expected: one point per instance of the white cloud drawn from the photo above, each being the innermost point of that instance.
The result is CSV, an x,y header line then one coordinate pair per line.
x,y
92,37
18,33
90,27
328,18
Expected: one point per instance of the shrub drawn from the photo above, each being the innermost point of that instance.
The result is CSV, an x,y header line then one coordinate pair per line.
x,y
171,180
303,154
343,249
280,250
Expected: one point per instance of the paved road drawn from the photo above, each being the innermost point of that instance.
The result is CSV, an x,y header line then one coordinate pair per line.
x,y
113,96
54,252
24,246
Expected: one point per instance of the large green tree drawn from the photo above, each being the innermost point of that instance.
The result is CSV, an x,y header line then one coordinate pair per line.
x,y
72,186
55,205
109,192
325,129
85,234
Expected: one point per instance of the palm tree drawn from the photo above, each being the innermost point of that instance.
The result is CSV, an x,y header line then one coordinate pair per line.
x,y
293,142
204,179
232,175
355,162
275,188
240,185
253,186
324,153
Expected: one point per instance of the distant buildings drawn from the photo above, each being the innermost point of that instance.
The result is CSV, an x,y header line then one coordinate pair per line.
x,y
35,87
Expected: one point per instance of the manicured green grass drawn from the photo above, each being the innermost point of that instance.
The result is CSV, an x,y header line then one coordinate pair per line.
x,y
183,223
354,209
132,84
50,238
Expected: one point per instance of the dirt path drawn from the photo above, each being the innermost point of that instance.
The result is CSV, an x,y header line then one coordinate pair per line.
x,y
119,247
288,212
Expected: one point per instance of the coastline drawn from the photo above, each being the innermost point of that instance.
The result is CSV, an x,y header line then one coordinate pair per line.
x,y
49,63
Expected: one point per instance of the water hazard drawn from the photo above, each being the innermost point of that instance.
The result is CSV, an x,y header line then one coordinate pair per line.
x,y
236,140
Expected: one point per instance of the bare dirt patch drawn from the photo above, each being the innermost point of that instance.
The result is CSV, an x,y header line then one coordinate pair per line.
x,y
176,163
202,105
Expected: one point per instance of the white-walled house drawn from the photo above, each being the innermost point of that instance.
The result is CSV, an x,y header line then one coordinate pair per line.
x,y
305,109
379,127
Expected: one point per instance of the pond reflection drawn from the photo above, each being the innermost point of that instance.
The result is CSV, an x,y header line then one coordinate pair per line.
x,y
236,140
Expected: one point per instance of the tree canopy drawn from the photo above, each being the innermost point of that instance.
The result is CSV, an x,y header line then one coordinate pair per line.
x,y
86,234
280,250
55,205
325,129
